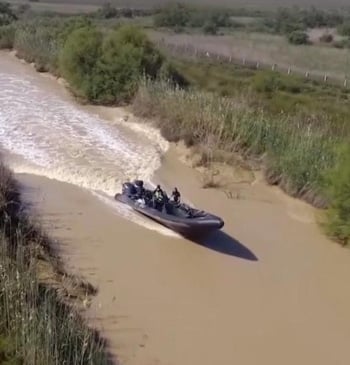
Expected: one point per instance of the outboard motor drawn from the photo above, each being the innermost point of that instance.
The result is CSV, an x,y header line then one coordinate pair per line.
x,y
129,189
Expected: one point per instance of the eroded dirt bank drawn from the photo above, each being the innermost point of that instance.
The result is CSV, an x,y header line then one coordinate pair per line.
x,y
270,289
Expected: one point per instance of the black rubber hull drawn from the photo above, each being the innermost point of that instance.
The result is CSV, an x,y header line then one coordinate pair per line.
x,y
185,226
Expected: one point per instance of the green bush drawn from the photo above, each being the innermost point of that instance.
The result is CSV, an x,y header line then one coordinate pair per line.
x,y
338,190
108,11
210,28
298,37
173,15
106,69
286,20
181,15
7,15
78,59
344,29
269,82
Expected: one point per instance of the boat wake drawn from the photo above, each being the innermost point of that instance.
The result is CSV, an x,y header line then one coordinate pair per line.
x,y
41,133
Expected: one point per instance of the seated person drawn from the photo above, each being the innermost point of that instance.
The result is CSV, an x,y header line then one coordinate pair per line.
x,y
158,197
175,196
140,190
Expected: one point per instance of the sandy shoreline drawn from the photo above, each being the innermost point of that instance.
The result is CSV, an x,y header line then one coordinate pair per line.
x,y
271,289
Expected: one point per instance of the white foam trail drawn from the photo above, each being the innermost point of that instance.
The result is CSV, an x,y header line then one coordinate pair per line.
x,y
54,138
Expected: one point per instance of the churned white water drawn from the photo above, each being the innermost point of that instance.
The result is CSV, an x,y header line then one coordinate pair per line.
x,y
45,134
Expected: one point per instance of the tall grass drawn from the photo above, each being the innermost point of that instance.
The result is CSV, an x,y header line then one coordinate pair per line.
x,y
36,319
38,44
7,36
296,150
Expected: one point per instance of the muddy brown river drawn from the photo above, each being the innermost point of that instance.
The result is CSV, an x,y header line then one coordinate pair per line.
x,y
270,289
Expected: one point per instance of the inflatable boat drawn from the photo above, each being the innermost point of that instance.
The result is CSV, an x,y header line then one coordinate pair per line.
x,y
180,218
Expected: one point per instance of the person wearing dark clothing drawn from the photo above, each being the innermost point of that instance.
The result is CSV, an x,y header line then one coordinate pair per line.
x,y
175,196
140,190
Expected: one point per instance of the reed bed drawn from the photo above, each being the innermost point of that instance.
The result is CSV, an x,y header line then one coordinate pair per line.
x,y
38,44
294,150
38,322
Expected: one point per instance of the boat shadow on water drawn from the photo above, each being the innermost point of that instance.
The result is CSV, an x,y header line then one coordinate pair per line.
x,y
222,242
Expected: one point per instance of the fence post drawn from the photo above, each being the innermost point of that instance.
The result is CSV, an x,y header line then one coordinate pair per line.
x,y
258,65
325,79
307,74
274,67
244,61
289,70
345,83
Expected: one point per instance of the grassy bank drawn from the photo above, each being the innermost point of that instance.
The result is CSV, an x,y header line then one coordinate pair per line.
x,y
275,91
296,150
39,303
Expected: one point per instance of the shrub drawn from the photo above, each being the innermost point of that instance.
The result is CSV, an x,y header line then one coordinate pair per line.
x,y
326,38
344,43
180,15
107,11
338,190
344,29
7,15
298,37
210,28
173,15
107,69
77,61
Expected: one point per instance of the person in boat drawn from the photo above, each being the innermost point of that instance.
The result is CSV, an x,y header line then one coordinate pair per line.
x,y
175,196
140,190
158,197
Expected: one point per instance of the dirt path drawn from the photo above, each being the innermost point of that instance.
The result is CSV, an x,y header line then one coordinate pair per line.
x,y
270,289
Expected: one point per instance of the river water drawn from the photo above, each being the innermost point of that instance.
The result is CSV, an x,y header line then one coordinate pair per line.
x,y
270,289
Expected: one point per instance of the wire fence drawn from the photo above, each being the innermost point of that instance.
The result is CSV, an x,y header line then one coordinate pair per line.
x,y
188,51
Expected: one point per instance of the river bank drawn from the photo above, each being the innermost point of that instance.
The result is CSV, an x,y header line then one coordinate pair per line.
x,y
270,289
41,304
